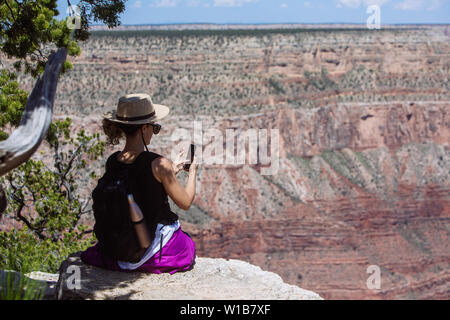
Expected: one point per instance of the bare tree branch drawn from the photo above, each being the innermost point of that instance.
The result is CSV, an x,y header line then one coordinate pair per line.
x,y
3,201
24,141
10,10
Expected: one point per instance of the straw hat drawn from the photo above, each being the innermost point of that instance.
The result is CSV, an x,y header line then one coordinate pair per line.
x,y
137,108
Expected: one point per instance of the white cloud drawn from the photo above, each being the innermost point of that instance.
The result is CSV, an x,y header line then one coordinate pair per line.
x,y
137,4
350,3
283,5
197,3
375,2
435,4
430,5
193,3
164,4
357,3
409,5
307,4
232,3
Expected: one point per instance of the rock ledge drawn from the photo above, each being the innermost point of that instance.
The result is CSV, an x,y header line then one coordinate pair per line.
x,y
212,279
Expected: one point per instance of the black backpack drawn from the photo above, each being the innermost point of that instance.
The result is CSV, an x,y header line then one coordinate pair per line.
x,y
113,227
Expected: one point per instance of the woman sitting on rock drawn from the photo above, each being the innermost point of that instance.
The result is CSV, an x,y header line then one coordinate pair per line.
x,y
164,246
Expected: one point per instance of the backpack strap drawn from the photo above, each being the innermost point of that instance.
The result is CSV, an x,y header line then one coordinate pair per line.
x,y
110,160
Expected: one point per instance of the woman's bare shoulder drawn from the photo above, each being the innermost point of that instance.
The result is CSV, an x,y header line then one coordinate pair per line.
x,y
161,167
162,162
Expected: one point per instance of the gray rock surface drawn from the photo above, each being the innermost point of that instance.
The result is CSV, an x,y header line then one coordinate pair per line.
x,y
214,279
48,279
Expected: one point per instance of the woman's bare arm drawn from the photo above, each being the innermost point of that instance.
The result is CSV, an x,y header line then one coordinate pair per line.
x,y
163,170
137,218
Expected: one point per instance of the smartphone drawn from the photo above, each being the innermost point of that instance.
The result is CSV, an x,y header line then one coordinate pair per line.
x,y
191,156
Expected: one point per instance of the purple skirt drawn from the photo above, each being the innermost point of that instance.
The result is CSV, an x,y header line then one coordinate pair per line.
x,y
177,255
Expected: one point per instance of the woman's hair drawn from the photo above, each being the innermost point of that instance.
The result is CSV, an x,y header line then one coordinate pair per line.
x,y
114,131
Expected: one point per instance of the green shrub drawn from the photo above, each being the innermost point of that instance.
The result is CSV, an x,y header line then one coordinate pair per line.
x,y
277,86
320,80
17,286
53,230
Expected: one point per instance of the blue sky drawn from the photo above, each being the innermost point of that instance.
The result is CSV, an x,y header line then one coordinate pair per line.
x,y
278,11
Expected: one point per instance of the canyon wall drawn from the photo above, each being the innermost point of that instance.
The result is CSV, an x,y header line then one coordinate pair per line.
x,y
364,129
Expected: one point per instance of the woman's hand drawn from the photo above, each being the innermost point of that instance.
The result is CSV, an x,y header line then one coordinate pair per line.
x,y
163,170
179,162
194,165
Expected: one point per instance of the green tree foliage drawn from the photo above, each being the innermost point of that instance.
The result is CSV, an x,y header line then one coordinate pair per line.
x,y
12,101
29,32
28,29
46,201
